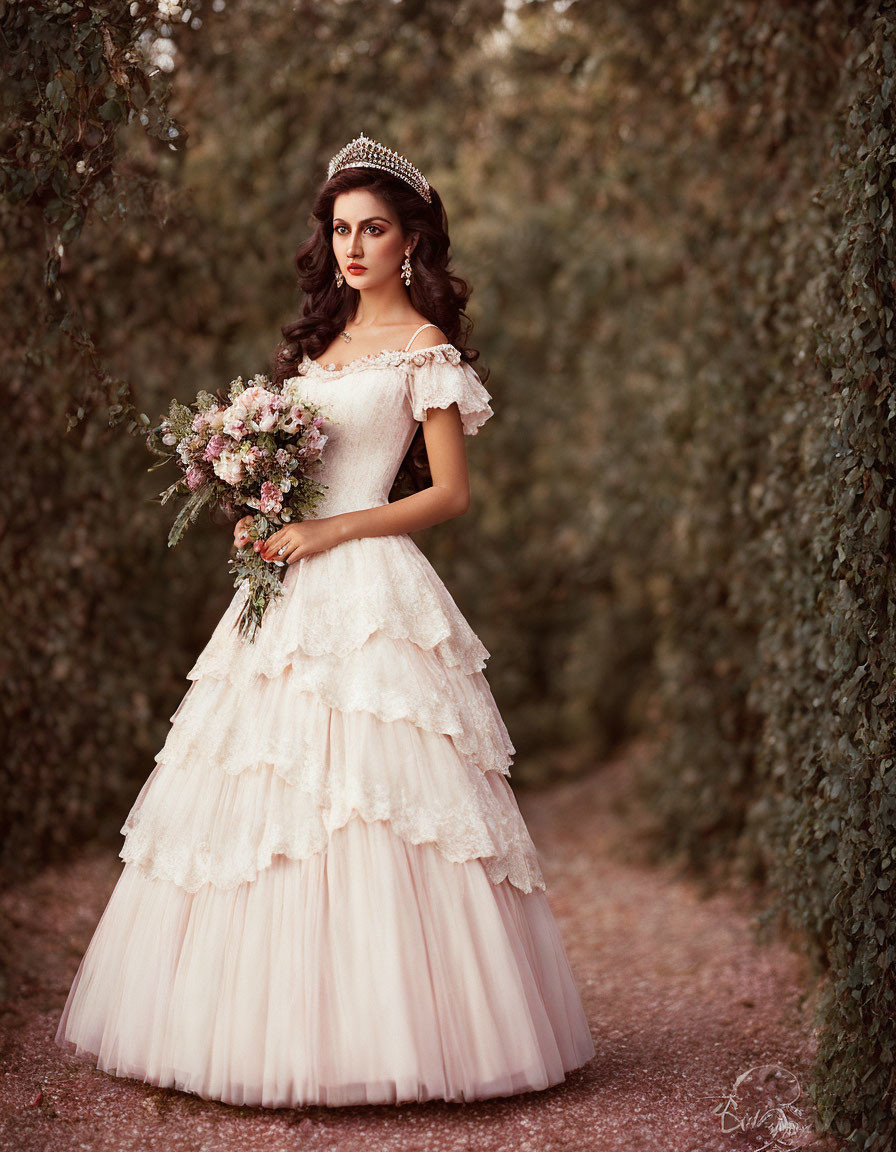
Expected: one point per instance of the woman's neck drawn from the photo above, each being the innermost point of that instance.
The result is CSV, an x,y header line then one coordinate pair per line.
x,y
379,308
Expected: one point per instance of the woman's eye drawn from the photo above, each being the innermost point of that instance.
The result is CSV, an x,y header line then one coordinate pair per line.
x,y
343,228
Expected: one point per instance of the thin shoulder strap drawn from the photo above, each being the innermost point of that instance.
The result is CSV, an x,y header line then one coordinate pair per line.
x,y
416,334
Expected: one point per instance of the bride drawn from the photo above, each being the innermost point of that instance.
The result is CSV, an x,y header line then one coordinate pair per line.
x,y
329,895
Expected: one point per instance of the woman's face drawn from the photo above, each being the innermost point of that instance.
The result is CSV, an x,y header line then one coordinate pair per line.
x,y
368,242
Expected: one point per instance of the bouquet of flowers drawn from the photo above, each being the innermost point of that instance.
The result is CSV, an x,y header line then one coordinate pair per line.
x,y
257,448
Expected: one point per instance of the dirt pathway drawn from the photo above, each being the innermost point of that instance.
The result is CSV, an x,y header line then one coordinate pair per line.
x,y
680,996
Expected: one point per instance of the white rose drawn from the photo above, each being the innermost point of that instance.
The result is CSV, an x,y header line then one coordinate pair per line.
x,y
229,467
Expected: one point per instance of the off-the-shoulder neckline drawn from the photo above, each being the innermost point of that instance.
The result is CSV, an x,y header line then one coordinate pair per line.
x,y
389,356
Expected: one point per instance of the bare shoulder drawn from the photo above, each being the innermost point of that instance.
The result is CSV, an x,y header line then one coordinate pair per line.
x,y
428,338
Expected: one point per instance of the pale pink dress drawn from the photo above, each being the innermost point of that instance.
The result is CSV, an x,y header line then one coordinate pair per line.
x,y
329,895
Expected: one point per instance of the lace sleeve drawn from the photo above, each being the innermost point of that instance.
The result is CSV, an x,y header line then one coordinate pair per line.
x,y
439,377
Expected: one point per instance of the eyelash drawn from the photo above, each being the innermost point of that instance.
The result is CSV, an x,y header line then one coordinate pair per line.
x,y
379,230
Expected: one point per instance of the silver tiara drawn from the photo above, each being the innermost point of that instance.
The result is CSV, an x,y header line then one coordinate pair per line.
x,y
362,152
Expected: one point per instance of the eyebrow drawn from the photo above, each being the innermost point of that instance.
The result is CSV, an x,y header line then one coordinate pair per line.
x,y
369,220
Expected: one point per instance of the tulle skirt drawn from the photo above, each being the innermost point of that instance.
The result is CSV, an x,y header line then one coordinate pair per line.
x,y
375,972
329,895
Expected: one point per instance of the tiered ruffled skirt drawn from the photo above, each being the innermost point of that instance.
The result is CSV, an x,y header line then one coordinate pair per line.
x,y
329,894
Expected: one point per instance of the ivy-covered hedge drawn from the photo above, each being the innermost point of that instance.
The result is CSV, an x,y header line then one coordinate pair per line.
x,y
79,711
777,653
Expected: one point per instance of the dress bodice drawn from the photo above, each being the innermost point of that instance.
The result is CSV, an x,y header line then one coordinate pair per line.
x,y
371,409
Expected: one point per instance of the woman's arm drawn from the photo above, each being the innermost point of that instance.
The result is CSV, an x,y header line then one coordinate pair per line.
x,y
448,497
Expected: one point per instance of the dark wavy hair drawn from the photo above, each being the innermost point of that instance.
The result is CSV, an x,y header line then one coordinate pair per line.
x,y
434,291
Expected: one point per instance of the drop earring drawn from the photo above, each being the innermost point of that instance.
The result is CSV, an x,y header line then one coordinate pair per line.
x,y
406,270
340,279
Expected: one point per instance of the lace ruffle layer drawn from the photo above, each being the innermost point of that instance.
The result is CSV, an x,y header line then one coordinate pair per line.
x,y
334,601
362,695
286,722
439,377
228,793
395,680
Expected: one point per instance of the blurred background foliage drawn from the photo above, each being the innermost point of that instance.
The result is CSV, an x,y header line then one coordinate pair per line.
x,y
677,220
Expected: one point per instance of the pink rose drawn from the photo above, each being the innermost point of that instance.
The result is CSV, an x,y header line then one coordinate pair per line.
x,y
194,478
214,448
271,498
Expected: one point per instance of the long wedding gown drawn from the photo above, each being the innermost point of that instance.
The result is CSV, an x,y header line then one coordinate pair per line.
x,y
329,895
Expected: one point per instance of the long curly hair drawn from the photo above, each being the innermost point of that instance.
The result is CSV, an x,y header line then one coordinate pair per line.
x,y
434,291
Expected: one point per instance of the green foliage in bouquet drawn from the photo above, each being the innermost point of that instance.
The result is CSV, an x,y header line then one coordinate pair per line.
x,y
179,423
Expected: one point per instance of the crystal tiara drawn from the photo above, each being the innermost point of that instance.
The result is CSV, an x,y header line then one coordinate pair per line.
x,y
362,152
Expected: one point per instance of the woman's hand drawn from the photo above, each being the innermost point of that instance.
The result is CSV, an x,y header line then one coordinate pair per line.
x,y
301,539
241,531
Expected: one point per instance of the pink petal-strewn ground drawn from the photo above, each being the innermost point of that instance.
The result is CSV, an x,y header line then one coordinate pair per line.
x,y
680,995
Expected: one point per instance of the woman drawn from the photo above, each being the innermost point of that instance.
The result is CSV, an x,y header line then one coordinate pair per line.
x,y
329,894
